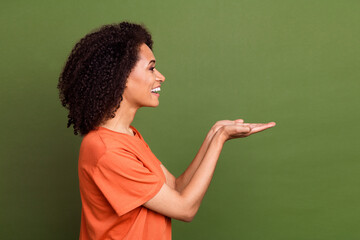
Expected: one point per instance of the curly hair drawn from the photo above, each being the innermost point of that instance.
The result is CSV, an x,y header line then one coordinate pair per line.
x,y
94,77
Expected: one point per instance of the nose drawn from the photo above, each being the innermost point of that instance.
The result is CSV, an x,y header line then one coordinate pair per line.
x,y
159,76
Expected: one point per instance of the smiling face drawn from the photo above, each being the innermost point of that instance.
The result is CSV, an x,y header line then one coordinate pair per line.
x,y
143,83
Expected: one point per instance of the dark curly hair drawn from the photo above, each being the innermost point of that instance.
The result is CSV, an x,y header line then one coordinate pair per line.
x,y
94,77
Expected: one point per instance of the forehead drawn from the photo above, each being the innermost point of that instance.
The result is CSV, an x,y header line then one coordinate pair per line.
x,y
145,53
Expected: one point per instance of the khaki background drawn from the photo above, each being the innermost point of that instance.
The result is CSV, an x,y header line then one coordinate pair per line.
x,y
293,62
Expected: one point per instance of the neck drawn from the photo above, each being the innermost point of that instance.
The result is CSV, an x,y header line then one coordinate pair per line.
x,y
122,120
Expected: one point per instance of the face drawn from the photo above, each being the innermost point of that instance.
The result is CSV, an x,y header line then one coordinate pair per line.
x,y
143,84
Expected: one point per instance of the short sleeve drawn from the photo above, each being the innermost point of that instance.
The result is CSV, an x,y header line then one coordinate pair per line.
x,y
125,182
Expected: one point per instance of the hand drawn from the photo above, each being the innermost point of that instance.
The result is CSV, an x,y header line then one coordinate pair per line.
x,y
240,130
221,123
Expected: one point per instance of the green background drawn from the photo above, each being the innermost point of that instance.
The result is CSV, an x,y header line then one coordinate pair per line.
x,y
295,62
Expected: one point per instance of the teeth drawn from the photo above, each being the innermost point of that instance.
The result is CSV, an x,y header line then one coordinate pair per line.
x,y
155,90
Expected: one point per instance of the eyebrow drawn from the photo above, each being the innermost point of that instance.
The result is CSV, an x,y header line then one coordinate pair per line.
x,y
152,61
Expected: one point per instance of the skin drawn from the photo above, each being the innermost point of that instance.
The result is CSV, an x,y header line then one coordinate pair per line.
x,y
143,77
180,197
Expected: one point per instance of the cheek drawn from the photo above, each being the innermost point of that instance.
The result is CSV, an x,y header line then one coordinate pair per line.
x,y
140,81
136,92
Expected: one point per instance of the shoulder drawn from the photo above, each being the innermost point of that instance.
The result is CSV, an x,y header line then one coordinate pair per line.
x,y
92,149
92,140
102,141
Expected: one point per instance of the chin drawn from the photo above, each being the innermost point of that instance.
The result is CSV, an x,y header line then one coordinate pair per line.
x,y
153,105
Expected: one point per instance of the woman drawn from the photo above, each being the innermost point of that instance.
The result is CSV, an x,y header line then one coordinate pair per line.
x,y
126,192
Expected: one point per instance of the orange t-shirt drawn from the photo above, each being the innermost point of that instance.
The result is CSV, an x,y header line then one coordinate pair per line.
x,y
118,173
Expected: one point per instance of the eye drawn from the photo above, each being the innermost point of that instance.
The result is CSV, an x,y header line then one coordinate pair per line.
x,y
152,69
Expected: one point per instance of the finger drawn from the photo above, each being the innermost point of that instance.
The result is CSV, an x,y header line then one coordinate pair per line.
x,y
270,124
258,127
224,122
239,121
227,122
243,129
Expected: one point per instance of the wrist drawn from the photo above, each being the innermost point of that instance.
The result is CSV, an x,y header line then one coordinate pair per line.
x,y
221,135
211,133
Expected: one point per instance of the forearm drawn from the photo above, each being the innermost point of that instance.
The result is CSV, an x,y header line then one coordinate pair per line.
x,y
184,204
182,181
196,188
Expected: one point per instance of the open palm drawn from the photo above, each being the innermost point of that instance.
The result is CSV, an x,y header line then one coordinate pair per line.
x,y
239,129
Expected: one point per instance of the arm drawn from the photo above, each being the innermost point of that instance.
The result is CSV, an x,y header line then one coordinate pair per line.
x,y
182,181
184,204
